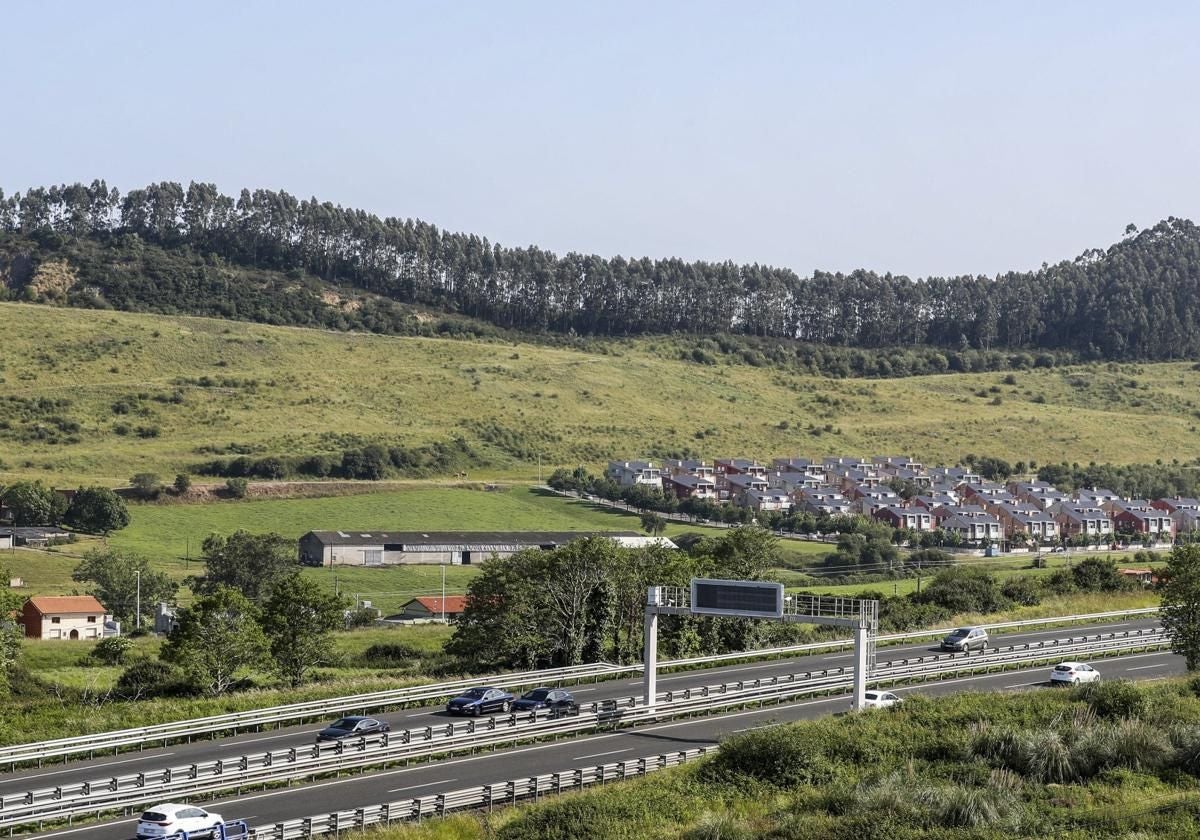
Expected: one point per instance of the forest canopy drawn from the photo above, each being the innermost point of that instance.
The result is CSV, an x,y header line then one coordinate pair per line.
x,y
1139,299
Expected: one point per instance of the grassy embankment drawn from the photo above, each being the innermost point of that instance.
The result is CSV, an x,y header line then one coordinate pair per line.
x,y
118,393
1066,764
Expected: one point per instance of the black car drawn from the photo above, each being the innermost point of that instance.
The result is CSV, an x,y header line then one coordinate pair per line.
x,y
478,701
354,726
555,700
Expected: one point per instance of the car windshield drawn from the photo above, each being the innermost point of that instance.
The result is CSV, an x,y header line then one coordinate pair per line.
x,y
154,816
475,693
962,631
344,723
1063,668
537,694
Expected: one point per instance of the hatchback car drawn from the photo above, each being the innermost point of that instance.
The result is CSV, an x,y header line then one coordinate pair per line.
x,y
477,701
1073,673
553,700
881,700
354,726
174,817
966,638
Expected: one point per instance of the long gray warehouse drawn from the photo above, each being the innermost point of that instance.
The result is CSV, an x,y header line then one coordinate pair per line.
x,y
390,548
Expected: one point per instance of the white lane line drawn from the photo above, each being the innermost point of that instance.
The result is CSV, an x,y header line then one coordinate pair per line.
x,y
581,690
85,828
1025,685
427,784
718,672
597,755
237,742
842,656
1144,667
97,766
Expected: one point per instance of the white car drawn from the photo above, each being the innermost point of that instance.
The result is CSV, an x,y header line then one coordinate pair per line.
x,y
174,817
881,700
1073,673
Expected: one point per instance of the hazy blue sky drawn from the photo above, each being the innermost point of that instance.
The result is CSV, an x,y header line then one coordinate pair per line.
x,y
916,138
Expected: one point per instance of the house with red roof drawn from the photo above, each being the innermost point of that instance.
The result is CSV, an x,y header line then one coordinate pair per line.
x,y
64,617
432,607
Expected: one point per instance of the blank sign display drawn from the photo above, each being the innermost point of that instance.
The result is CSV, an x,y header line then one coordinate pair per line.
x,y
750,598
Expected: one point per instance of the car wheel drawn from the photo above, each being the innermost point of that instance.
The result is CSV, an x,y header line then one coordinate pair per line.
x,y
505,706
475,710
1075,681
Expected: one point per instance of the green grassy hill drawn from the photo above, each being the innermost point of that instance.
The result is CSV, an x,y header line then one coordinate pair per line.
x,y
97,396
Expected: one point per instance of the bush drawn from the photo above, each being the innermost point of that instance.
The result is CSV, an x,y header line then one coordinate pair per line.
x,y
963,589
151,678
1023,591
113,650
389,655
770,756
237,487
183,483
1117,699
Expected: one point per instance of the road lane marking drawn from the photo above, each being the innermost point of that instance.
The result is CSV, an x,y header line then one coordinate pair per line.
x,y
597,755
1144,667
95,766
1025,685
427,784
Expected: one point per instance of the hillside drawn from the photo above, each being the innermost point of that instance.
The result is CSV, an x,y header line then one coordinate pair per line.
x,y
99,396
1139,299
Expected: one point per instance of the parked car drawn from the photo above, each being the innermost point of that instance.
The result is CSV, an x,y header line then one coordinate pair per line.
x,y
477,701
354,726
965,638
1073,673
881,700
174,817
557,701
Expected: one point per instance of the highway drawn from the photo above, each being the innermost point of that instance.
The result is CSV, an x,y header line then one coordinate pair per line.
x,y
175,755
428,779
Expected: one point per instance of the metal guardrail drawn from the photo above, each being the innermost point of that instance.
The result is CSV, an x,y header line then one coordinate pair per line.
x,y
66,801
140,737
475,798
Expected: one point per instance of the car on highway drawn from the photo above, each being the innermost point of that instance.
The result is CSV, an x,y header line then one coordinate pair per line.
x,y
174,817
966,638
881,700
556,701
478,701
1073,673
354,726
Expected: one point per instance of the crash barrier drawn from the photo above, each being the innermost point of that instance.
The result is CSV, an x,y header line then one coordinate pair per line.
x,y
69,800
295,713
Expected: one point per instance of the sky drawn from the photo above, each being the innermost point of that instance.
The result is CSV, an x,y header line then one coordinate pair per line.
x,y
928,138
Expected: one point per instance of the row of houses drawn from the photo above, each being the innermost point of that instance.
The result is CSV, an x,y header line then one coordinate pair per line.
x,y
951,499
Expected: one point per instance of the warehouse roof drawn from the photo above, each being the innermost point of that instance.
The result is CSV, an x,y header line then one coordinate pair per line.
x,y
418,539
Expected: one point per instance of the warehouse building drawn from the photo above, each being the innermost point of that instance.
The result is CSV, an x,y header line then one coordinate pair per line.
x,y
391,548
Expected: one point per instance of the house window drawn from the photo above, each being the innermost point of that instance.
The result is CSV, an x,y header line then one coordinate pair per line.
x,y
373,557
91,619
55,620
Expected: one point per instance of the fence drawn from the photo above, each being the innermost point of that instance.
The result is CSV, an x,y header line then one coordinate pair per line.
x,y
67,801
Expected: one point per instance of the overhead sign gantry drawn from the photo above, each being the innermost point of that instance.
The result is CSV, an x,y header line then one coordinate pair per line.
x,y
762,600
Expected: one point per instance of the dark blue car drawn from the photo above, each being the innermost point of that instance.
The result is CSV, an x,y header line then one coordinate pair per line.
x,y
478,701
355,726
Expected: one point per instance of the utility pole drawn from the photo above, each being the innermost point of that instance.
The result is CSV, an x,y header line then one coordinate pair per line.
x,y
138,608
539,468
443,593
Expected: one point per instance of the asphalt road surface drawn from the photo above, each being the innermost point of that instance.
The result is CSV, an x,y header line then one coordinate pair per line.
x,y
373,787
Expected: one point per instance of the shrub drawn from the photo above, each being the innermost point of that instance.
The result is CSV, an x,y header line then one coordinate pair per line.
x,y
1117,699
963,589
771,756
1023,591
237,487
389,655
1132,744
150,678
113,650
183,483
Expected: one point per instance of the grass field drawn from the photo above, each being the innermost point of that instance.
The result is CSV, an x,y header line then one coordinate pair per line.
x,y
99,396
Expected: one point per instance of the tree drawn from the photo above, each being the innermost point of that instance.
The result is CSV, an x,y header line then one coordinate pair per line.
x,y
1180,614
182,483
146,485
217,637
33,503
744,553
653,524
299,620
97,510
114,578
253,564
237,487
10,634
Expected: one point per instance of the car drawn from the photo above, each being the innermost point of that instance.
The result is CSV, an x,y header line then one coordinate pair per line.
x,y
1073,673
174,817
881,700
965,638
556,701
477,701
354,726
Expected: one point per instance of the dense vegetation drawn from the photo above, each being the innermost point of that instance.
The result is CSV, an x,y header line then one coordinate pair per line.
x,y
1138,299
